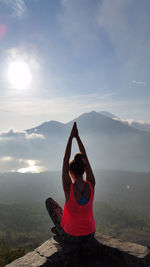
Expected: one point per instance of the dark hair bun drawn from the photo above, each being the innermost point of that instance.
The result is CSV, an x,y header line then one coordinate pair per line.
x,y
78,158
77,165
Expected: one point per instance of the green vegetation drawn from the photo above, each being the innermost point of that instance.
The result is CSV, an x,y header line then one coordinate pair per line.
x,y
122,224
8,254
24,224
22,228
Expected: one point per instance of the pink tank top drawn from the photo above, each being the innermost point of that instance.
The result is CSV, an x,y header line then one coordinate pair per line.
x,y
78,219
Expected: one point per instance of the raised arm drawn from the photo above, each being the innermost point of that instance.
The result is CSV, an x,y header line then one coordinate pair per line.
x,y
65,170
89,173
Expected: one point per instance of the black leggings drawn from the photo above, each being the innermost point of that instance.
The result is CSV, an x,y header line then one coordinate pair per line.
x,y
56,212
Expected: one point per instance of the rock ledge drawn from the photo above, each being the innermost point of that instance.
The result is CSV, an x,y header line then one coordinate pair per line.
x,y
104,251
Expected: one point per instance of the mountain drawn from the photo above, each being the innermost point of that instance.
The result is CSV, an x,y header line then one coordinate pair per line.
x,y
111,144
48,128
133,124
87,123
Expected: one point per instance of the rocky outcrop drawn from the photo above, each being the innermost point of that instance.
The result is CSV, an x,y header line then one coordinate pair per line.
x,y
104,251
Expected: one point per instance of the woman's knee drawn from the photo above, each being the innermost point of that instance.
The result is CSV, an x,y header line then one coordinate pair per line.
x,y
48,201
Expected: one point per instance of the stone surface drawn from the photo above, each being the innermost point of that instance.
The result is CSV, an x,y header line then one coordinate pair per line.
x,y
104,251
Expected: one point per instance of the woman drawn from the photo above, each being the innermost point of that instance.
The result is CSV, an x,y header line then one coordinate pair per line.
x,y
76,222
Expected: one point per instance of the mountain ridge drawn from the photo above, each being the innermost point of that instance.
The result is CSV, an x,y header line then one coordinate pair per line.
x,y
100,117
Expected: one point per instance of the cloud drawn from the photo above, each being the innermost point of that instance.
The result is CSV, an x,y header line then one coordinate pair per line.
x,y
20,144
8,164
126,121
12,134
137,124
12,164
139,83
33,166
21,151
18,7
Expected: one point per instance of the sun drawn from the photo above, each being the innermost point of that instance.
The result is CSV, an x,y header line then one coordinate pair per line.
x,y
19,74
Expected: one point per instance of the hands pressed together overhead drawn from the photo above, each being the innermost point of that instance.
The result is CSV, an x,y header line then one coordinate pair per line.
x,y
74,131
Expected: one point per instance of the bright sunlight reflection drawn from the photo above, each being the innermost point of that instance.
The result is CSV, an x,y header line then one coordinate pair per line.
x,y
32,167
19,74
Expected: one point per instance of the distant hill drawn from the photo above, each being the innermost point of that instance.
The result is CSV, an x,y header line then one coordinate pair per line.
x,y
111,143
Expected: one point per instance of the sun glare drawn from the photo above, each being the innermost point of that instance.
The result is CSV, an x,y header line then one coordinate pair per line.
x,y
19,74
32,167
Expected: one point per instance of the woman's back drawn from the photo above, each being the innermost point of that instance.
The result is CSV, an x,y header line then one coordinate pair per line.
x,y
78,219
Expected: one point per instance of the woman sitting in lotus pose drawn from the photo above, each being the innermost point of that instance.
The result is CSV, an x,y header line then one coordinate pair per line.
x,y
76,222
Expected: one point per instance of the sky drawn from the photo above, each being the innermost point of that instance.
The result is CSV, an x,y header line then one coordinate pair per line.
x,y
79,56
